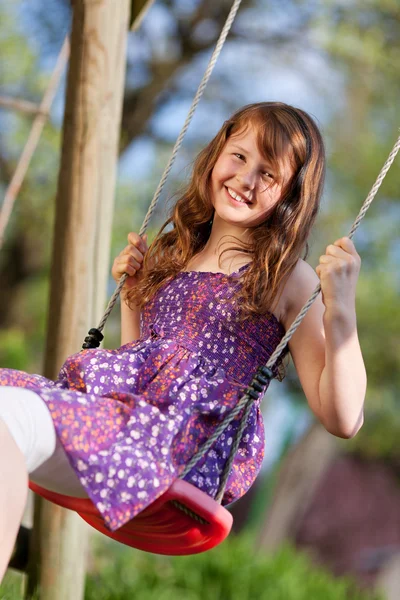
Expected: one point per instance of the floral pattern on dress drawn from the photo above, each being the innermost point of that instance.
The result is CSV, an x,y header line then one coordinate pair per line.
x,y
130,419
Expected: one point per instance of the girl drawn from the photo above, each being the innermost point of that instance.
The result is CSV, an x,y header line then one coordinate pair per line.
x,y
205,305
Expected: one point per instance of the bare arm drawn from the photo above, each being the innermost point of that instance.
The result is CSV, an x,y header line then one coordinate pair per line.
x,y
343,381
325,348
130,261
130,323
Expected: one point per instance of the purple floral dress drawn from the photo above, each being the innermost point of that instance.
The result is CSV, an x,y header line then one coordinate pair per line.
x,y
129,419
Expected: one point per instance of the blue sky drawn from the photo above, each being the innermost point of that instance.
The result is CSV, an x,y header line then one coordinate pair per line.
x,y
246,72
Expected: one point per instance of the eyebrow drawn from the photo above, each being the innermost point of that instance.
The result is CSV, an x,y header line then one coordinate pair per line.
x,y
239,148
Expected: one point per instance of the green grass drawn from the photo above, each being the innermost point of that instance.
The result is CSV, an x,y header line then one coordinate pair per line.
x,y
233,571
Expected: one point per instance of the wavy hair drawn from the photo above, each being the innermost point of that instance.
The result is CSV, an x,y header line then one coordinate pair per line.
x,y
273,246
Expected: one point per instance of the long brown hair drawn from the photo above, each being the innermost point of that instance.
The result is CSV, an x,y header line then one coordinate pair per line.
x,y
275,245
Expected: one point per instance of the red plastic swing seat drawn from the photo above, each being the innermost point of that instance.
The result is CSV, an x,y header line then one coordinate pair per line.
x,y
162,528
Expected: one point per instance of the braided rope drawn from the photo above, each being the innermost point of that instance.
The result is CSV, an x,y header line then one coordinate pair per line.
x,y
235,447
178,144
221,427
246,401
189,512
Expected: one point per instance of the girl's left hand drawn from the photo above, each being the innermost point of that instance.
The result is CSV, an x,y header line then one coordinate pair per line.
x,y
338,271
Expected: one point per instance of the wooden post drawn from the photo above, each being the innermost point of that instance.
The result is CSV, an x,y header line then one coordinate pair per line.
x,y
81,249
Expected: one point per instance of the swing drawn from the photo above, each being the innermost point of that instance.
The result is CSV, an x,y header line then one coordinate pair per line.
x,y
185,520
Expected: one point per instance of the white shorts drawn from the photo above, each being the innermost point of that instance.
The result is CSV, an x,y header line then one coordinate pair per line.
x,y
30,424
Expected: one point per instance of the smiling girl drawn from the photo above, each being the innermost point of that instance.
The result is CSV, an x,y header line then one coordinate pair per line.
x,y
203,308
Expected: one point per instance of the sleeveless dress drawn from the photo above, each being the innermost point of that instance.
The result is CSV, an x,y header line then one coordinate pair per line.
x,y
129,419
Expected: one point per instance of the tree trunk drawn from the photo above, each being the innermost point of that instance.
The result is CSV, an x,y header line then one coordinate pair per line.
x,y
81,249
298,478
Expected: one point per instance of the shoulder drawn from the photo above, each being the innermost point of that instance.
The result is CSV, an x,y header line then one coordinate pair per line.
x,y
303,276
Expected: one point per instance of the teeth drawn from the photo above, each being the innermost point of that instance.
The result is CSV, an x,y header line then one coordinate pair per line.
x,y
236,196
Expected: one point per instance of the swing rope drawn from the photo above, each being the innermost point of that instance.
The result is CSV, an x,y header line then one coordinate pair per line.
x,y
95,336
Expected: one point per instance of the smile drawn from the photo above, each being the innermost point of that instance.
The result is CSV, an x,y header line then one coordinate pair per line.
x,y
237,198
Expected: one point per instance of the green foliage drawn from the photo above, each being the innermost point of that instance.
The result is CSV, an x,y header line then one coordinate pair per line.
x,y
12,586
380,434
13,350
379,326
233,571
366,33
13,45
362,42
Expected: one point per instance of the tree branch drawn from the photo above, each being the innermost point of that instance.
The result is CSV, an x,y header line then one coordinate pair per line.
x,y
20,105
32,142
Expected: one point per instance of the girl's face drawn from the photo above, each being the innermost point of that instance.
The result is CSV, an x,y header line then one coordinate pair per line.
x,y
243,185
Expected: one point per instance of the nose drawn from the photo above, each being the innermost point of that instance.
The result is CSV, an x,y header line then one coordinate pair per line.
x,y
247,177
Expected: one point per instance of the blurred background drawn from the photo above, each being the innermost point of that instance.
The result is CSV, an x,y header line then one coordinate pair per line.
x,y
323,519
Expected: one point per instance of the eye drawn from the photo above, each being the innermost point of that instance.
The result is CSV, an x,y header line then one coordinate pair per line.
x,y
239,156
267,175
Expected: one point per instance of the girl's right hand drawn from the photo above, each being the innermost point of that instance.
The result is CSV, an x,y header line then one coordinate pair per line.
x,y
130,260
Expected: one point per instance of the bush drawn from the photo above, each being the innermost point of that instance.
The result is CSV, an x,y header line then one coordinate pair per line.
x,y
233,571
